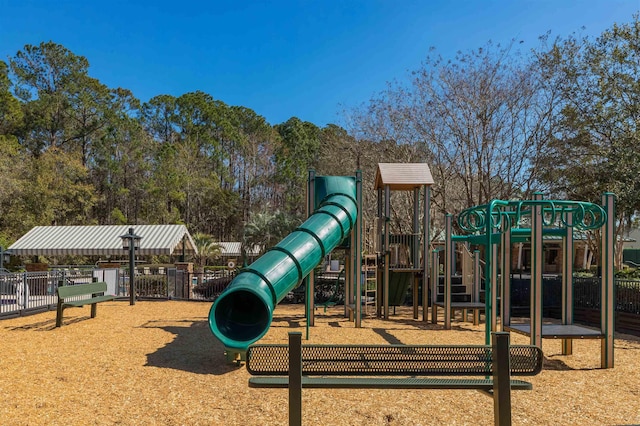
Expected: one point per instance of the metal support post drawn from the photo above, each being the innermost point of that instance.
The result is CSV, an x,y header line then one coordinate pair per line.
x,y
477,272
295,378
311,206
448,267
505,293
567,281
425,251
387,252
495,291
435,269
607,313
357,251
501,379
132,273
536,271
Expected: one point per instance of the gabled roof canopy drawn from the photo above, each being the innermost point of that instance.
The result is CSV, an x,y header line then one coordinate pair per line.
x,y
403,176
234,249
102,240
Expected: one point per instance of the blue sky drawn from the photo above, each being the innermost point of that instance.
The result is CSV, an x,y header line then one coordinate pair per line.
x,y
306,58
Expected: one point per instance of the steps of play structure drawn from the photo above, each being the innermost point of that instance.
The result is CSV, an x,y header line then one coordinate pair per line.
x,y
455,297
455,279
454,289
459,291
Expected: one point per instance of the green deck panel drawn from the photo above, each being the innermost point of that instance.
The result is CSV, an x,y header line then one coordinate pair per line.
x,y
399,283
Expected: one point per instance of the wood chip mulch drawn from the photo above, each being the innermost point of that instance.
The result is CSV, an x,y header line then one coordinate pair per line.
x,y
157,363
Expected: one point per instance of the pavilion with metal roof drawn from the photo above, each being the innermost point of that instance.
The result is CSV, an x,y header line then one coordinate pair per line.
x,y
234,249
103,240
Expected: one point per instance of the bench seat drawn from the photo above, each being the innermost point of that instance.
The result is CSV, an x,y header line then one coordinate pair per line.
x,y
296,367
75,296
83,302
383,383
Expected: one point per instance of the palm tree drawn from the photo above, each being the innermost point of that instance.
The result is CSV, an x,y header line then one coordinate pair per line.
x,y
265,229
207,249
258,232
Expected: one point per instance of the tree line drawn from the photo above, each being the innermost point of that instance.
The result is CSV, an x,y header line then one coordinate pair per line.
x,y
493,122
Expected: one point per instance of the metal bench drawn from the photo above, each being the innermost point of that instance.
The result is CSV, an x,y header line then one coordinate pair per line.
x,y
296,366
75,296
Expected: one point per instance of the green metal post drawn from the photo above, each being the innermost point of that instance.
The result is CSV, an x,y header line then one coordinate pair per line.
x,y
505,295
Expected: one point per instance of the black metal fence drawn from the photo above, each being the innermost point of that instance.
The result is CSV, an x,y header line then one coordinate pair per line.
x,y
586,293
34,291
628,296
177,284
26,292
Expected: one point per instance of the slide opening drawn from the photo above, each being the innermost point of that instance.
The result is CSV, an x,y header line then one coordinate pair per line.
x,y
242,316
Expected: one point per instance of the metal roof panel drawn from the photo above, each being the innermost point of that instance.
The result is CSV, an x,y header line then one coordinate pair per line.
x,y
102,240
403,176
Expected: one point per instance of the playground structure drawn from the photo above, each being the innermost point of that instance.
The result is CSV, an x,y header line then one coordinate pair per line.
x,y
499,224
243,313
402,259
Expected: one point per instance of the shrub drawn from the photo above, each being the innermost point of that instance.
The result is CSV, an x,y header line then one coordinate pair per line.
x,y
628,273
213,286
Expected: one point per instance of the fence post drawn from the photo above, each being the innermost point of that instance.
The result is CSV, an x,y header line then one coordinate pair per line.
x,y
171,281
166,283
24,293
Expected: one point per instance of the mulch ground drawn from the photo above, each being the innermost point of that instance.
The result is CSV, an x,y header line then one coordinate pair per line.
x,y
157,363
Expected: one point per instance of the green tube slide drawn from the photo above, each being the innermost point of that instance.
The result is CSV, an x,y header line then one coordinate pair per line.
x,y
243,312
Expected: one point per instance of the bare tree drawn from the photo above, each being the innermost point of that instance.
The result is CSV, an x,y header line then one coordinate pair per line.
x,y
479,120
